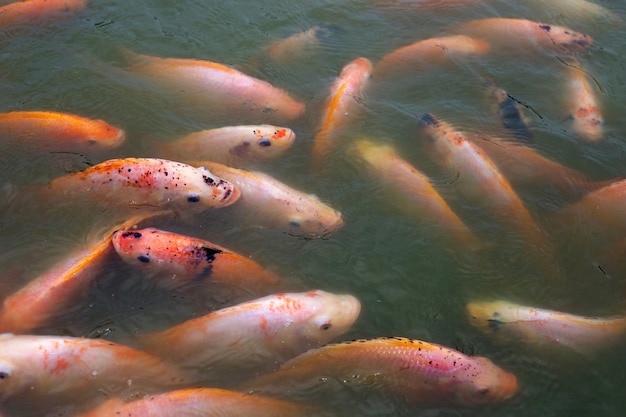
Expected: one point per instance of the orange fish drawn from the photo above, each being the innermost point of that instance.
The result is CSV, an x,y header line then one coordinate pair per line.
x,y
52,293
415,193
341,107
412,369
255,334
231,145
427,53
28,12
182,261
298,45
540,327
514,35
202,402
585,114
267,202
145,183
57,132
222,88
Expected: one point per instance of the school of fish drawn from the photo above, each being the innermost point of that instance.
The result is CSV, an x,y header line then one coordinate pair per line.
x,y
279,343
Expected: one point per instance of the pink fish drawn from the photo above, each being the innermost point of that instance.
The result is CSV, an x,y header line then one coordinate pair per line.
x,y
584,104
29,12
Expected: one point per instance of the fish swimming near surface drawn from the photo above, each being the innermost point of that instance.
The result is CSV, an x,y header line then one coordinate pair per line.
x,y
518,35
546,328
414,193
341,108
511,113
298,45
143,183
230,145
30,12
255,335
268,202
224,90
57,132
578,11
584,104
184,262
58,369
414,370
202,402
61,287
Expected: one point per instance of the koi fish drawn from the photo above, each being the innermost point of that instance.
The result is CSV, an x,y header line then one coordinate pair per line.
x,y
579,10
56,369
298,45
53,292
513,34
536,326
480,181
427,53
510,112
341,106
585,114
276,205
182,261
414,191
201,402
221,87
146,183
231,145
57,132
411,369
258,333
22,13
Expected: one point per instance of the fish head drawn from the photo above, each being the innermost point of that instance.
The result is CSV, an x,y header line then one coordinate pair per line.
x,y
487,384
329,316
8,380
566,39
314,220
106,136
490,316
204,190
267,141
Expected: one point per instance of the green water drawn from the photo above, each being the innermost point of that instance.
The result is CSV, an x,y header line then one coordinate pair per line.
x,y
408,283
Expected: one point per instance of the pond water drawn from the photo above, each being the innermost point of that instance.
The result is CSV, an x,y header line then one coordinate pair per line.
x,y
408,282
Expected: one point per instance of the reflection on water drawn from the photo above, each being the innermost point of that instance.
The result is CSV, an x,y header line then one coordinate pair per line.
x,y
408,282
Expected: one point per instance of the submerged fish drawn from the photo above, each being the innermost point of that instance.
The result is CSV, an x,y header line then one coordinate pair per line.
x,y
510,112
61,287
268,202
507,34
57,369
231,145
412,369
224,89
341,107
24,13
414,193
536,326
57,132
147,183
180,261
202,402
298,45
584,105
255,334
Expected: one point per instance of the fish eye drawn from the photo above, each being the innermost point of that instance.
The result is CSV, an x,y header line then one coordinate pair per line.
x,y
294,223
4,375
483,391
194,198
265,142
326,326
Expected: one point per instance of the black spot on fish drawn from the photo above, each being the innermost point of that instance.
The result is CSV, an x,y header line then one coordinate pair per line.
x,y
547,28
134,235
207,253
208,180
193,198
427,120
265,142
494,324
143,258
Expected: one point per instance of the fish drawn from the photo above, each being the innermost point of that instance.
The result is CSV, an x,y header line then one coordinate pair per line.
x,y
57,132
511,113
223,89
59,288
413,370
231,145
479,181
584,105
341,107
517,35
144,183
427,53
299,45
58,369
270,203
184,262
537,327
256,334
24,13
202,402
579,11
414,193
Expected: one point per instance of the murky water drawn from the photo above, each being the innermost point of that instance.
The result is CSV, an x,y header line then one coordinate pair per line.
x,y
409,284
